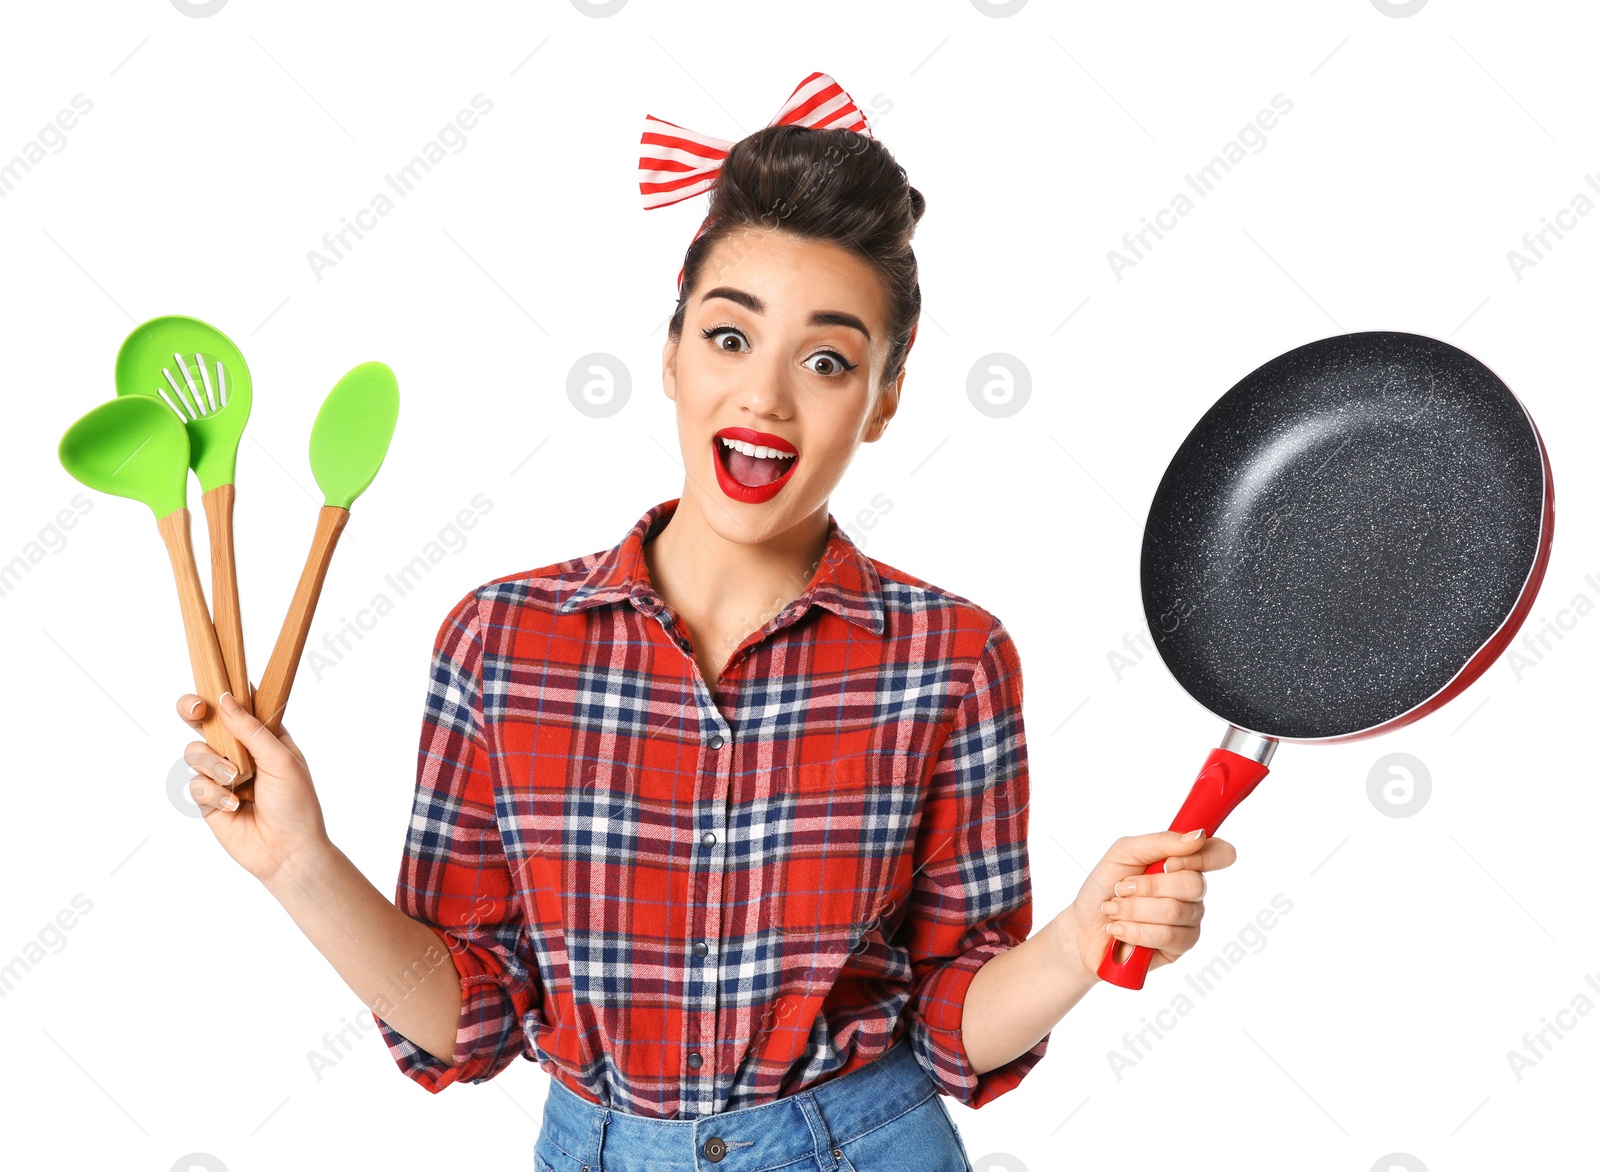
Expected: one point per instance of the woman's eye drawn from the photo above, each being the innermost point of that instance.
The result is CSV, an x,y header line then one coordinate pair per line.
x,y
712,334
834,365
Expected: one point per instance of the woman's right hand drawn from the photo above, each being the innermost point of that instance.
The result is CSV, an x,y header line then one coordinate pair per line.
x,y
280,817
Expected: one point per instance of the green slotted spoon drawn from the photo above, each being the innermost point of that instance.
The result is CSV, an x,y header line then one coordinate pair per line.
x,y
348,443
135,447
197,371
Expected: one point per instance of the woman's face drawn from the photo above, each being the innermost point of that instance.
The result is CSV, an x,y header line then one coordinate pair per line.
x,y
784,338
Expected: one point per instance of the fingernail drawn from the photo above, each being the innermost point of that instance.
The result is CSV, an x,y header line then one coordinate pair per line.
x,y
227,701
227,773
1125,888
1114,927
229,802
1108,907
194,706
1193,834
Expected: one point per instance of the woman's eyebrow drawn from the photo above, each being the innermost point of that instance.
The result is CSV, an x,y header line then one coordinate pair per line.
x,y
821,317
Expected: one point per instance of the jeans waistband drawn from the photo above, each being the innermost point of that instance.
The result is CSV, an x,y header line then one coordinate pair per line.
x,y
801,1129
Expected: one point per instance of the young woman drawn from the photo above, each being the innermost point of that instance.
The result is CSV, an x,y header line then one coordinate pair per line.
x,y
726,826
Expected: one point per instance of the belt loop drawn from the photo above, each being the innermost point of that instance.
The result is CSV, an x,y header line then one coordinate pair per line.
x,y
597,1162
822,1139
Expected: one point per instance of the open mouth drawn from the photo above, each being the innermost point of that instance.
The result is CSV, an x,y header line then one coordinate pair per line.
x,y
753,465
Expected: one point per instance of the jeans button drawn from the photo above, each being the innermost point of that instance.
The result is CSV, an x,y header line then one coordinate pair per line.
x,y
700,948
716,741
715,1149
695,1060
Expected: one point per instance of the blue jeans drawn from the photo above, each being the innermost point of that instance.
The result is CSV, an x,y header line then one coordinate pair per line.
x,y
886,1116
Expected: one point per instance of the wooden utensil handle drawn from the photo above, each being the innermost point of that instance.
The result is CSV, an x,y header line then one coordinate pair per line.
x,y
273,694
225,591
205,655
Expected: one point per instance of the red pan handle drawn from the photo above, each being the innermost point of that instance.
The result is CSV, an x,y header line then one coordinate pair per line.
x,y
1224,782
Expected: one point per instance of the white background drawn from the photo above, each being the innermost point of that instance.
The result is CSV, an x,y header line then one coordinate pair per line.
x,y
177,1015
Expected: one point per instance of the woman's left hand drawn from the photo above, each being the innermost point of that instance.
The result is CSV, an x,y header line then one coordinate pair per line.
x,y
1162,912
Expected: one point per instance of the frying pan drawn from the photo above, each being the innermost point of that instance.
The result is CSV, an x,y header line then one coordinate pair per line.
x,y
1345,541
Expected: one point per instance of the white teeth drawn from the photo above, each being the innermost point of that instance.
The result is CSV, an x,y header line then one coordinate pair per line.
x,y
754,450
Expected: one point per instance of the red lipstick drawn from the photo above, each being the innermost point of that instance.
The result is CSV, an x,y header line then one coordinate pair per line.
x,y
751,494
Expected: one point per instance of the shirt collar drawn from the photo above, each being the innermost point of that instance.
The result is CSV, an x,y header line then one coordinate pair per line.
x,y
846,582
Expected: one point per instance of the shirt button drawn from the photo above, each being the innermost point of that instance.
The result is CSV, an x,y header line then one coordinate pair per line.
x,y
716,741
695,1060
700,948
708,839
715,1149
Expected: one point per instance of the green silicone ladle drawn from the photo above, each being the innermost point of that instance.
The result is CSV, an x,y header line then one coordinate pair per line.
x,y
135,447
132,448
348,443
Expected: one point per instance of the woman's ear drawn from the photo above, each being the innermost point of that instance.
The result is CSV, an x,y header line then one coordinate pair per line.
x,y
888,404
669,369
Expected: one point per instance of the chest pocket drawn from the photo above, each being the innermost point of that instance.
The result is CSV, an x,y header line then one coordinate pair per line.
x,y
841,833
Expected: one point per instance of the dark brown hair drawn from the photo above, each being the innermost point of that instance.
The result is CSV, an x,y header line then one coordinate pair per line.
x,y
833,185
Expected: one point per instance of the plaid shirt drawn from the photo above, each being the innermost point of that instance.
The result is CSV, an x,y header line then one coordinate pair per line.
x,y
681,901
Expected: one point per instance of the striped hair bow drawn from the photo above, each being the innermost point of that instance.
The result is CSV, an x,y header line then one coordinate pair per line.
x,y
676,163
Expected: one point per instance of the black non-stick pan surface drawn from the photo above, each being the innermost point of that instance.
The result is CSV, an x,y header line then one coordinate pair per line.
x,y
1341,532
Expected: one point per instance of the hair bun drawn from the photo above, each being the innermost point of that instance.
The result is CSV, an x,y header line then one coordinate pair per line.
x,y
918,205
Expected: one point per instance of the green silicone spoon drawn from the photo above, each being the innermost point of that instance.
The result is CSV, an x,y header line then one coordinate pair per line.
x,y
348,443
197,371
135,447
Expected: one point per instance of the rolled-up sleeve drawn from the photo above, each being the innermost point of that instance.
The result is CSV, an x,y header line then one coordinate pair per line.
x,y
971,898
454,875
